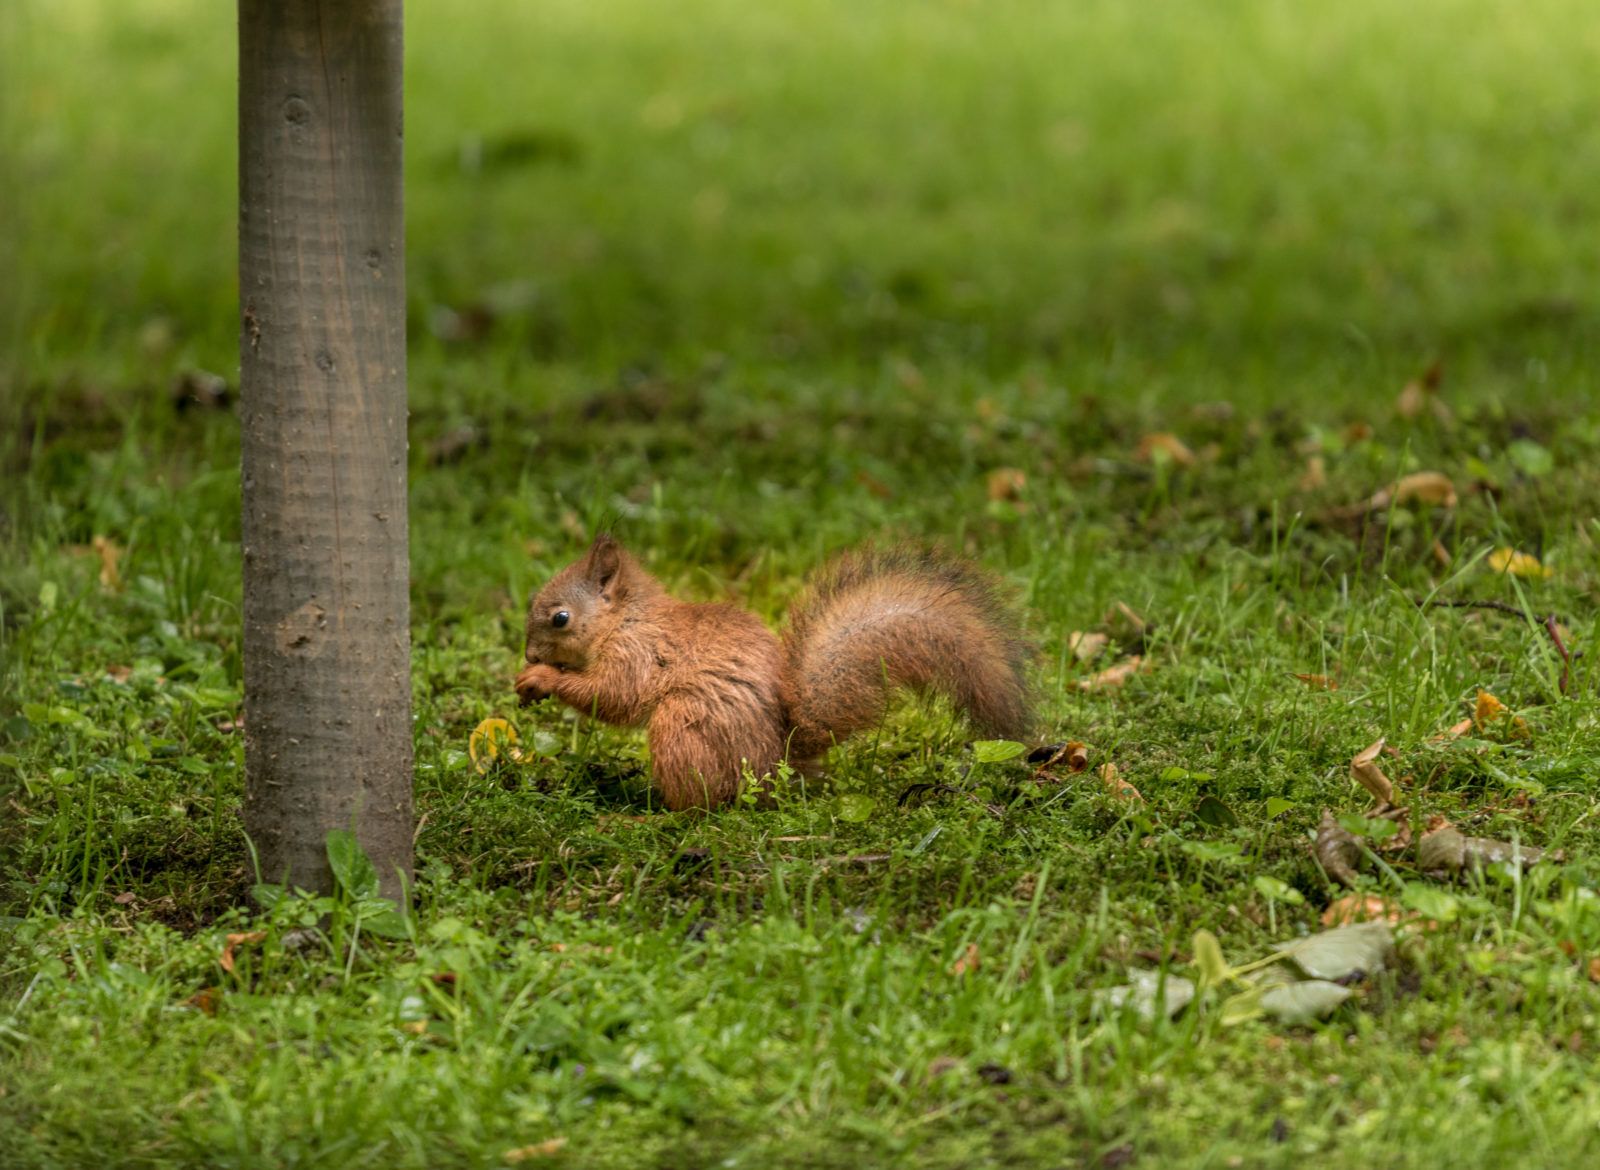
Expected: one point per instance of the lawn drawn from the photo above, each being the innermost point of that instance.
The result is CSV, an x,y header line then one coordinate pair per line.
x,y
1243,333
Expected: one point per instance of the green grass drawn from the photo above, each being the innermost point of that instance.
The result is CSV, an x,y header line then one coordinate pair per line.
x,y
751,283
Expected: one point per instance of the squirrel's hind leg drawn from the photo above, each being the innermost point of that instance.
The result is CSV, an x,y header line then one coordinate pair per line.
x,y
698,762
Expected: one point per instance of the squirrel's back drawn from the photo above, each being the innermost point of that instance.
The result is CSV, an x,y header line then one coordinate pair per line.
x,y
876,619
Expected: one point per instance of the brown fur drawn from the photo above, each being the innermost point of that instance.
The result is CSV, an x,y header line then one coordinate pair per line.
x,y
720,694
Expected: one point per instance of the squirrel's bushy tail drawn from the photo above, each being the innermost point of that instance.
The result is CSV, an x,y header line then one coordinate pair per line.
x,y
877,619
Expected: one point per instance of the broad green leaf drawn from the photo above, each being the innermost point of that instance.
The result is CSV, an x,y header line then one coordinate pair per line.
x,y
1430,902
1277,891
1277,806
1208,960
854,808
1149,992
1304,1002
1530,458
1241,1007
386,922
1211,811
1344,952
352,868
268,895
995,751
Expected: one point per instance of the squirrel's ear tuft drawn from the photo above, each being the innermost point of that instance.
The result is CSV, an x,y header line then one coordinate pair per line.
x,y
603,560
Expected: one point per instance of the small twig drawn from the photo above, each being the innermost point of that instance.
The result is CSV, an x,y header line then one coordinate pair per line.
x,y
1553,628
1551,623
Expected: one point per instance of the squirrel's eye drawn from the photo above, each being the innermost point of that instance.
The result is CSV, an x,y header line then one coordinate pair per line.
x,y
560,618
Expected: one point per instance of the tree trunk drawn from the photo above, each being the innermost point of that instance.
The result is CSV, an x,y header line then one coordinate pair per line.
x,y
327,650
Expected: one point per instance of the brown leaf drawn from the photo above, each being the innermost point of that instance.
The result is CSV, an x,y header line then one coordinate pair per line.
x,y
1164,446
109,555
1446,848
234,940
205,1000
1086,646
874,485
969,961
1594,970
1357,432
1431,488
119,674
1112,676
1365,772
1360,908
940,1065
1316,474
545,1149
1116,785
1006,483
1455,730
1319,682
1125,623
126,898
1336,850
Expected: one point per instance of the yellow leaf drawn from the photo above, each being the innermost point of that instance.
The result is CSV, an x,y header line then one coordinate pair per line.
x,y
1432,488
109,554
489,740
1117,786
1518,564
1006,483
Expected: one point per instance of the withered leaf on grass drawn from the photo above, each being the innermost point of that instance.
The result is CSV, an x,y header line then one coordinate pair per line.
x,y
1164,447
1454,731
1336,849
970,960
1365,772
1087,645
1488,711
1073,756
1112,676
1518,564
1116,785
545,1149
236,940
109,555
1429,488
205,1000
1319,682
1446,848
1006,483
1360,908
1304,1002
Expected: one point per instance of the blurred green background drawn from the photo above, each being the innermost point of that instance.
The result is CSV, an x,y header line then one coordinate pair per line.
x,y
1308,199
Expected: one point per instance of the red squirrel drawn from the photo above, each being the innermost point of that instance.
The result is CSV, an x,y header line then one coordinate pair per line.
x,y
723,696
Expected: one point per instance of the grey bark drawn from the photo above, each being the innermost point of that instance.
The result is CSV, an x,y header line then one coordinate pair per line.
x,y
323,390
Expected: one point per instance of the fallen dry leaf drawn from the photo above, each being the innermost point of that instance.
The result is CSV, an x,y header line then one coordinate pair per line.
x,y
1319,682
1125,623
1360,908
119,674
1164,445
126,898
1454,731
1422,394
1116,785
236,940
1441,554
1357,432
1085,645
1518,564
1336,850
109,555
1365,772
1112,676
1490,710
1446,848
489,740
1432,488
1594,970
545,1149
1006,483
1316,474
969,961
205,1000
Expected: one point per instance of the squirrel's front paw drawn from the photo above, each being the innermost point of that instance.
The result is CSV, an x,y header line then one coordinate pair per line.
x,y
536,682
